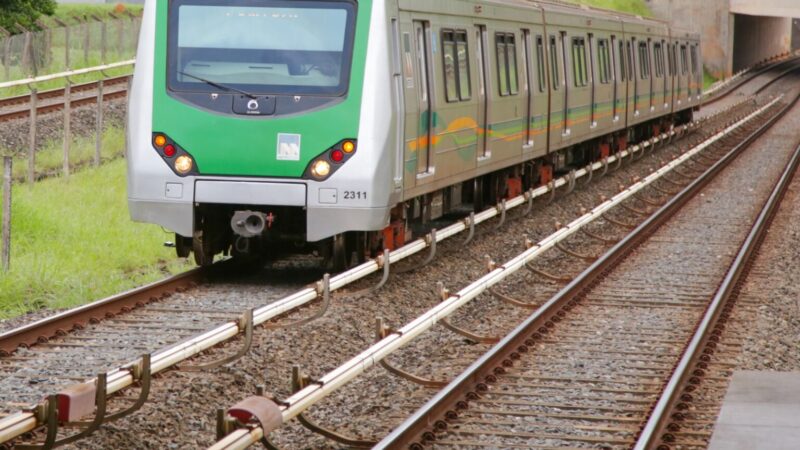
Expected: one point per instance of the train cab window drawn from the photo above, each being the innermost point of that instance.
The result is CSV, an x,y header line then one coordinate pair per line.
x,y
268,47
694,60
579,66
507,64
540,73
658,50
603,61
644,61
456,65
554,64
684,62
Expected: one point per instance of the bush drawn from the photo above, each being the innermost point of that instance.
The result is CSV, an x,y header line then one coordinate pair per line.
x,y
24,12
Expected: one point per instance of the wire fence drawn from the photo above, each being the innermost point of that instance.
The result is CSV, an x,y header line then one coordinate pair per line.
x,y
72,44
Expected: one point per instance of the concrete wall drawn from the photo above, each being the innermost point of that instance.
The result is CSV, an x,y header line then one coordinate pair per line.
x,y
758,37
772,8
712,19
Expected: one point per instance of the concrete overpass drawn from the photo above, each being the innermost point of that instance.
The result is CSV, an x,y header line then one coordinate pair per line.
x,y
735,33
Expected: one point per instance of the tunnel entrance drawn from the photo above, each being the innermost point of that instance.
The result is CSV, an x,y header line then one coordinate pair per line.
x,y
757,38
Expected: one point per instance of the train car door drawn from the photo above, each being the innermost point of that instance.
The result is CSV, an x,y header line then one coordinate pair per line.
x,y
418,103
484,90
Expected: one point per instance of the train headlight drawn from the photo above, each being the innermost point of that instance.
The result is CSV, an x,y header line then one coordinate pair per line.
x,y
348,146
321,169
183,164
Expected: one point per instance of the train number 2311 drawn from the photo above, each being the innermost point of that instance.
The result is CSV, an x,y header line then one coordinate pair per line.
x,y
355,195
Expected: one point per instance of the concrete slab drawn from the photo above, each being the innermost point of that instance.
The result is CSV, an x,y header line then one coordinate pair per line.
x,y
761,410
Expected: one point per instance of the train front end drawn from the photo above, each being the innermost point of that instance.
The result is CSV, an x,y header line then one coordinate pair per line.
x,y
250,127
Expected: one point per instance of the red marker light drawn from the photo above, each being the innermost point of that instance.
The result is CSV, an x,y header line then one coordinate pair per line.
x,y
337,156
169,151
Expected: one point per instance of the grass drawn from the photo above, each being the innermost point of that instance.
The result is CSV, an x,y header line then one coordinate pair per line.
x,y
66,11
49,158
629,6
708,79
86,45
73,242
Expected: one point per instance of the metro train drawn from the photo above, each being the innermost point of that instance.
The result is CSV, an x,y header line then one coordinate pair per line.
x,y
343,127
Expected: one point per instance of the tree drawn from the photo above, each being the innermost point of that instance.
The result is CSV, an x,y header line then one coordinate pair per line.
x,y
23,12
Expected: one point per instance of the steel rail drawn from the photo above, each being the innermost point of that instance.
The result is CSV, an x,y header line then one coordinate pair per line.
x,y
319,389
16,424
712,97
660,418
56,93
411,430
41,330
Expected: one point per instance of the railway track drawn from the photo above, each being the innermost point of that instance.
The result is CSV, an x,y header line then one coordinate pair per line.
x,y
617,357
19,107
313,390
755,82
177,351
16,423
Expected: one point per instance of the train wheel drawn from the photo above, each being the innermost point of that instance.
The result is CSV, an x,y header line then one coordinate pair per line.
x,y
203,253
183,246
337,261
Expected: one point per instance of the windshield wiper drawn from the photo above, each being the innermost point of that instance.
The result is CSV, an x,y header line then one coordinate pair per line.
x,y
219,85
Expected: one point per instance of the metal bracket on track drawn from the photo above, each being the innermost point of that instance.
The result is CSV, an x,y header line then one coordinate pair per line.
x,y
384,262
470,221
324,291
381,332
299,382
431,241
246,325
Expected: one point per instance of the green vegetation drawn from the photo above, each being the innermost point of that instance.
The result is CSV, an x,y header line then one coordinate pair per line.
x,y
629,6
66,11
74,242
24,12
50,157
708,79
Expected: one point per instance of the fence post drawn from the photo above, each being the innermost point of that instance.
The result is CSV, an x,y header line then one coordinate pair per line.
x,y
66,41
6,237
6,50
32,135
86,38
67,129
103,34
120,34
98,142
25,60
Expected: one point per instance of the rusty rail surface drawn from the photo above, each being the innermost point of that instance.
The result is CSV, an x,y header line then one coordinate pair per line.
x,y
92,88
59,324
415,433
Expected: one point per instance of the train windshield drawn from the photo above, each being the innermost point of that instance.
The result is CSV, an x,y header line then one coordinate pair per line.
x,y
262,47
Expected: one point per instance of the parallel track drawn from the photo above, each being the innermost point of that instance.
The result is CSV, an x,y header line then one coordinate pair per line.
x,y
13,108
506,398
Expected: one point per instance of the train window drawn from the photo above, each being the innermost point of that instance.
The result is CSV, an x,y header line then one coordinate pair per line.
x,y
694,60
449,55
464,78
603,61
670,64
456,65
579,66
629,54
507,64
644,61
622,61
540,62
554,63
684,62
658,49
